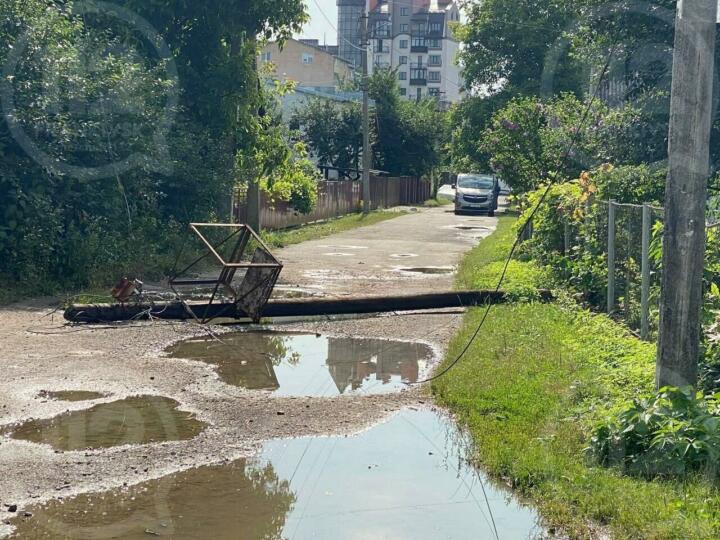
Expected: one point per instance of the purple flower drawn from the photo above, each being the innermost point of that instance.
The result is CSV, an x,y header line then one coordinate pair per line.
x,y
507,124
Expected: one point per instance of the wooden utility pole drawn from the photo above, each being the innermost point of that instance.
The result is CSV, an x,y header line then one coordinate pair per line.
x,y
253,189
367,152
685,198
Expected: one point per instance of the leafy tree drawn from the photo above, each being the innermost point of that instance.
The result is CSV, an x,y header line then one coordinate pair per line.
x,y
507,43
530,140
332,130
408,135
468,121
80,76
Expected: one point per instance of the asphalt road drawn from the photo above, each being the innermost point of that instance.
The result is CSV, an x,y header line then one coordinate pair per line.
x,y
38,353
415,253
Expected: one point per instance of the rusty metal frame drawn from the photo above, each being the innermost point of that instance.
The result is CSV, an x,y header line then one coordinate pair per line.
x,y
266,280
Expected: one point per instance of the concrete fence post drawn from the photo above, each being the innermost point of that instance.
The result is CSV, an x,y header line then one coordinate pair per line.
x,y
645,269
611,258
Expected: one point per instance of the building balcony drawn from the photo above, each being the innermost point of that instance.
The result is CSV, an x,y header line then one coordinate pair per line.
x,y
418,45
418,77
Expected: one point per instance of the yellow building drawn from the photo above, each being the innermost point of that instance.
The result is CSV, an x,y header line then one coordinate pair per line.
x,y
307,64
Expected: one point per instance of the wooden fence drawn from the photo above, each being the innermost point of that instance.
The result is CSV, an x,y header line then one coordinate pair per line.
x,y
340,198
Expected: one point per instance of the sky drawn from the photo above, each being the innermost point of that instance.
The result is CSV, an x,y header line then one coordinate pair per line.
x,y
318,27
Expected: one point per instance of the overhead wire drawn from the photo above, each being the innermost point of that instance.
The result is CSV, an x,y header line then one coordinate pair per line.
x,y
562,162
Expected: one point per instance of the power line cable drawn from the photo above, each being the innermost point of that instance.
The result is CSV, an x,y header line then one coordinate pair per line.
x,y
322,12
561,165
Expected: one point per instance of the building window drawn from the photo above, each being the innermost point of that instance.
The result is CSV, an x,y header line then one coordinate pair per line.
x,y
434,92
404,11
307,58
402,75
435,27
434,76
404,28
403,60
266,56
435,60
403,91
433,43
419,94
403,43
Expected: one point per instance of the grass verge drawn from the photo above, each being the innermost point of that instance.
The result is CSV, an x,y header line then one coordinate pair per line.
x,y
534,383
326,228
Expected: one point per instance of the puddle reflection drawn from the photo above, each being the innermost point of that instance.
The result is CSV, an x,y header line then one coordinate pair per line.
x,y
135,420
307,364
405,479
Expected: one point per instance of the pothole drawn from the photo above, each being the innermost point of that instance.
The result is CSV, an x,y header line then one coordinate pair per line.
x,y
71,395
134,420
429,270
403,255
407,478
471,228
309,364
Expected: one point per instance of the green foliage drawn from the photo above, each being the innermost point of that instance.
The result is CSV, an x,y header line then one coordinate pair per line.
x,y
574,205
531,389
332,130
635,184
481,268
91,90
409,135
507,44
284,170
468,120
674,433
294,181
531,140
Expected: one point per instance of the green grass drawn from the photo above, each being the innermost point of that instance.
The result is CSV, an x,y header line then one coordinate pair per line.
x,y
435,203
326,228
529,391
482,267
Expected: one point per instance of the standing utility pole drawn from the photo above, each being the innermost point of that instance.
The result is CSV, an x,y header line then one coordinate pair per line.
x,y
367,152
685,198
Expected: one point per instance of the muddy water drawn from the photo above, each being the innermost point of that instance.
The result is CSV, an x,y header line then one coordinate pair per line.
x,y
135,420
309,364
71,395
405,479
429,270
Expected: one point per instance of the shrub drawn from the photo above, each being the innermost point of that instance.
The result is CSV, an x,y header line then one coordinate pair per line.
x,y
673,433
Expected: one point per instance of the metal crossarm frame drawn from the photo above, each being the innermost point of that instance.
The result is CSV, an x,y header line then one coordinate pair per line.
x,y
258,282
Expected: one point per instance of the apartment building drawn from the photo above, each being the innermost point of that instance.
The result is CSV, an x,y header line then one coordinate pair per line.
x,y
415,38
350,13
307,64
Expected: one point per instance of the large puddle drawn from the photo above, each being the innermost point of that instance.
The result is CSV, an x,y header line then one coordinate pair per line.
x,y
309,364
406,479
135,420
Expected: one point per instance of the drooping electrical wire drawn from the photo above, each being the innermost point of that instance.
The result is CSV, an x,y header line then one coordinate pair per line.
x,y
562,162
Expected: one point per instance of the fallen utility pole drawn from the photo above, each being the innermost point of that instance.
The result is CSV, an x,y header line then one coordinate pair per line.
x,y
685,198
95,313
